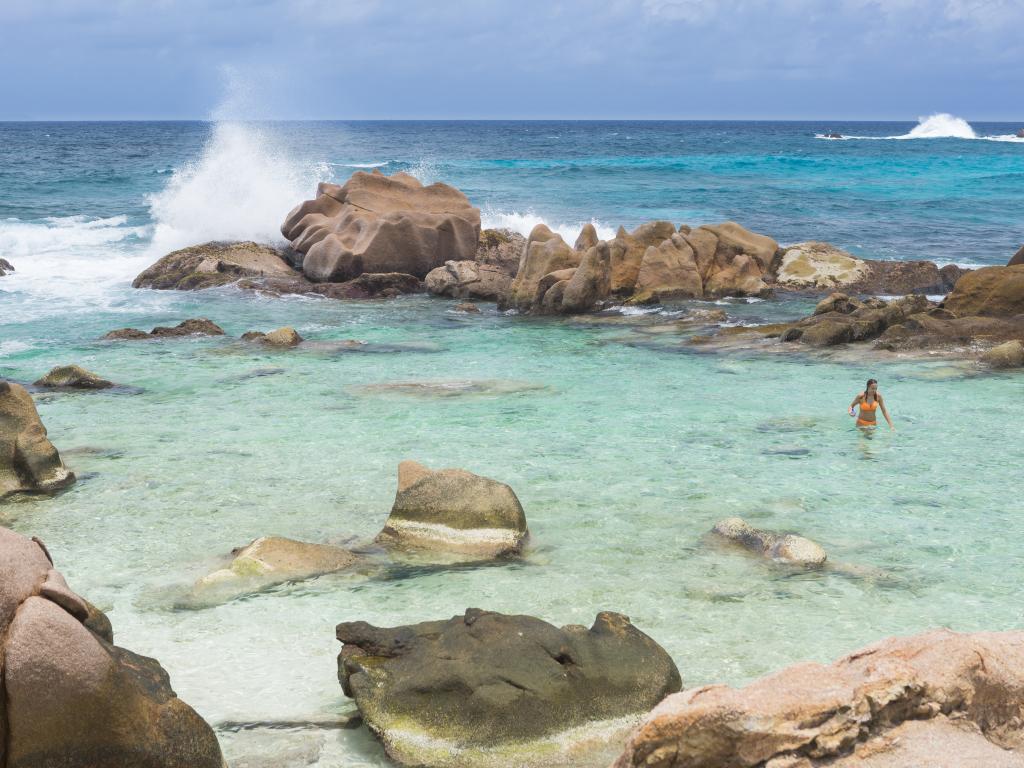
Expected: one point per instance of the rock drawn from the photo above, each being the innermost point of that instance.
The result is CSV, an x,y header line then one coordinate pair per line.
x,y
905,277
587,238
195,327
838,302
786,548
273,560
467,307
497,690
468,280
213,264
590,283
847,321
938,699
817,265
501,248
934,329
704,243
28,460
282,337
1017,258
742,277
379,224
668,271
990,291
455,511
627,252
126,334
72,698
1009,354
545,252
73,377
734,240
5,267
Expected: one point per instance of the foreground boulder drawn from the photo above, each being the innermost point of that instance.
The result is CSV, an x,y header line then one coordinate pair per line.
x,y
71,698
28,460
989,291
5,267
73,377
781,547
1009,354
194,327
456,511
282,337
212,264
491,689
378,223
938,699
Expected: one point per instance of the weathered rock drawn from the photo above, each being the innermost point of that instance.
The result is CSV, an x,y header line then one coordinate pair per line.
x,y
70,697
73,377
905,277
741,277
838,302
455,511
194,327
940,329
734,240
842,324
627,252
272,560
498,690
468,307
5,267
28,460
668,271
939,699
371,285
704,243
377,223
545,252
590,283
282,337
817,265
501,248
990,291
1017,258
1009,354
587,238
469,280
787,548
213,264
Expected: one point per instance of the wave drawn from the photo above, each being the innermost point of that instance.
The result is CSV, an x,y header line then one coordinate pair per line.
x,y
361,165
523,223
938,126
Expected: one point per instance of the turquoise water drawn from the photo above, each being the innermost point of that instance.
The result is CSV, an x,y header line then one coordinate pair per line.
x,y
624,442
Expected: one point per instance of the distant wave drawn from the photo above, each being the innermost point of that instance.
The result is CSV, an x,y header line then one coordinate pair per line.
x,y
939,126
361,165
523,223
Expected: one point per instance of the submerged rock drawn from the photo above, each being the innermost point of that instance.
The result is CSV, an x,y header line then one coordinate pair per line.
x,y
467,307
73,377
28,460
936,699
787,548
451,388
5,267
213,264
378,224
1009,354
491,689
194,327
72,698
282,337
453,510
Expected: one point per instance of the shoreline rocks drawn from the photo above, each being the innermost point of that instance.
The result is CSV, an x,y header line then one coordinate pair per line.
x,y
194,327
785,548
29,463
452,510
214,264
72,377
492,689
282,337
70,696
939,699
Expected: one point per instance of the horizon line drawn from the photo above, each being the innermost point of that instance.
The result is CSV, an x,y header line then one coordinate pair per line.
x,y
494,120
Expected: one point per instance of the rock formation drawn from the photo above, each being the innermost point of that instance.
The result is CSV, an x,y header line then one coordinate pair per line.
x,y
1016,259
668,271
468,280
847,321
73,377
627,251
194,327
989,291
455,511
491,689
1009,354
282,337
544,253
72,698
939,699
787,548
5,267
817,265
28,460
213,264
376,223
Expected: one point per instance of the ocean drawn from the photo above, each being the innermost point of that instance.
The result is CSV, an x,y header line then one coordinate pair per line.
x,y
624,444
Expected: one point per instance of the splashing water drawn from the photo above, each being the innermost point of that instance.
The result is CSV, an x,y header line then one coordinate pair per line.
x,y
524,222
941,126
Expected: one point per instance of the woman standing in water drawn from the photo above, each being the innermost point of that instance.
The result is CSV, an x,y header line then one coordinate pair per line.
x,y
870,400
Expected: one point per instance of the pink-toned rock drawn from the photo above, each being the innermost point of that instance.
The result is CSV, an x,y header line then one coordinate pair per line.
x,y
936,699
545,252
668,271
627,252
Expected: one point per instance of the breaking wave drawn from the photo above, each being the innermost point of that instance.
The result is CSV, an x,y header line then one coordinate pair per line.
x,y
938,126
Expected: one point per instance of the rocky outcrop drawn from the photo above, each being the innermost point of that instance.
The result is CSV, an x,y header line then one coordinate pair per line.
x,y
273,560
379,224
936,699
28,460
587,238
490,689
72,698
1015,260
500,248
282,337
213,264
989,291
853,321
194,327
817,266
589,284
469,280
73,377
5,267
940,329
782,547
899,278
668,271
371,285
545,253
627,251
456,511
1009,354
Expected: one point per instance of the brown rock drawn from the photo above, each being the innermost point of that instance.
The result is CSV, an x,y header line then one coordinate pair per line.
x,y
1009,354
73,377
905,277
195,327
380,224
704,244
741,277
282,337
837,302
469,280
734,240
545,252
991,291
668,271
367,286
938,691
590,283
1017,258
467,307
28,460
213,264
501,249
587,238
126,334
627,252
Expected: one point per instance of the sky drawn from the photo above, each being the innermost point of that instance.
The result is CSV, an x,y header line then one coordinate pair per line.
x,y
493,59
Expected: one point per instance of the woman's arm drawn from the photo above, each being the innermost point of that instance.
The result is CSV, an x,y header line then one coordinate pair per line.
x,y
854,403
885,413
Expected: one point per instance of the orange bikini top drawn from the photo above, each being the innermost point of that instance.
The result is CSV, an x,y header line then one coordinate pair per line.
x,y
864,406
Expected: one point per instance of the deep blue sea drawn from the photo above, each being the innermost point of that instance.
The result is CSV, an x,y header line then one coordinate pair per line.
x,y
624,442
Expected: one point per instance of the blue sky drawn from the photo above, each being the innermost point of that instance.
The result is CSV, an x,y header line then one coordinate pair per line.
x,y
355,59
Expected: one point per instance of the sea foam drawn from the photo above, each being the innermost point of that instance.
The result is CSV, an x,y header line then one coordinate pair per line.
x,y
523,223
938,126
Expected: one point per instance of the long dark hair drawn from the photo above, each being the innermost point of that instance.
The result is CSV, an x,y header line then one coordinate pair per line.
x,y
867,388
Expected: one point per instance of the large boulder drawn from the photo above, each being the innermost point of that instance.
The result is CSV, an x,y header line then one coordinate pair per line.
x,y
456,511
903,277
940,329
71,698
198,326
627,251
1009,354
545,252
940,699
816,265
741,276
469,280
782,547
590,283
500,248
5,267
991,291
213,264
734,240
28,460
487,689
842,320
668,270
378,223
72,377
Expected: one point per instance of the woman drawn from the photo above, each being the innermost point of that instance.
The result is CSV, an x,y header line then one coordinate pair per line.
x,y
870,400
